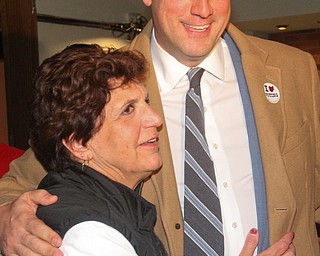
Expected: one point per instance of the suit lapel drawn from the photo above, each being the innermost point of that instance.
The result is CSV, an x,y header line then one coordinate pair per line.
x,y
270,122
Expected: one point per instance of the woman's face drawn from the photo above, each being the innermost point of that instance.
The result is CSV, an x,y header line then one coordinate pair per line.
x,y
126,147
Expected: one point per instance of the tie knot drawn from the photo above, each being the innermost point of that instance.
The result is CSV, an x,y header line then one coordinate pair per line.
x,y
194,75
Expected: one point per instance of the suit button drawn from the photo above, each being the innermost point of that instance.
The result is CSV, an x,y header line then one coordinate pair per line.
x,y
178,226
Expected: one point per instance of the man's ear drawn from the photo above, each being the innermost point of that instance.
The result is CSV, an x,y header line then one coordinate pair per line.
x,y
148,2
76,148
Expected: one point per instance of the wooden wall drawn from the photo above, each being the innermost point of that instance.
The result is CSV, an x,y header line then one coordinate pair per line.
x,y
20,57
3,107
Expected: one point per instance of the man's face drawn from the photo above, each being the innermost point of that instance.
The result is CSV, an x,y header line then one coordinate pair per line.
x,y
189,29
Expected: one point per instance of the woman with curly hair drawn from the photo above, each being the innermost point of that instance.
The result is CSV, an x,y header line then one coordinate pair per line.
x,y
95,133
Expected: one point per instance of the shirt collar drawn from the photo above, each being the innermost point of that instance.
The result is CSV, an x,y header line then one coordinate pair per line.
x,y
215,62
170,71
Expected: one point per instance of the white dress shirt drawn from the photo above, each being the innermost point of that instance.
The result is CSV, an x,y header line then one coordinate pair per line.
x,y
92,238
226,134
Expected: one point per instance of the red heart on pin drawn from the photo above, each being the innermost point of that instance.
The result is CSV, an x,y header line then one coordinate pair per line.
x,y
271,88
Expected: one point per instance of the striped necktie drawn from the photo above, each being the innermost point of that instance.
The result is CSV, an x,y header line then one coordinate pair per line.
x,y
203,233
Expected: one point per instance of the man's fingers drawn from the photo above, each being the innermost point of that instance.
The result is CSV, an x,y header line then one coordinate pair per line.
x,y
24,251
22,233
40,230
42,247
36,237
40,197
251,243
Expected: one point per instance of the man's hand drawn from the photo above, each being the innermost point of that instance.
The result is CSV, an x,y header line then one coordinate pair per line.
x,y
283,247
22,233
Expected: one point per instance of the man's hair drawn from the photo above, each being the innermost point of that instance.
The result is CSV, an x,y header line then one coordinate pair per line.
x,y
71,89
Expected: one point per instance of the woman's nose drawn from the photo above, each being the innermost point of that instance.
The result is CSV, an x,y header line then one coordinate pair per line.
x,y
152,118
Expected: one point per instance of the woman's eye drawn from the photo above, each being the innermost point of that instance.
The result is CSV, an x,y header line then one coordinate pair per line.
x,y
147,101
128,109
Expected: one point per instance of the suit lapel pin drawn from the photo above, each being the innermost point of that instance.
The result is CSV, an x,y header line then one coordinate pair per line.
x,y
272,93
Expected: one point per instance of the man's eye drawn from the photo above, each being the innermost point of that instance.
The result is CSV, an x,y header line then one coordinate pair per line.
x,y
147,101
128,109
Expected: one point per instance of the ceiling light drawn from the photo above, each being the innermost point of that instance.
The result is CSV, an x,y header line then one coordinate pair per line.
x,y
282,27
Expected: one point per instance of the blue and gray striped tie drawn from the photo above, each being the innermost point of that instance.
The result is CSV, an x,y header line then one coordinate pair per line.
x,y
203,233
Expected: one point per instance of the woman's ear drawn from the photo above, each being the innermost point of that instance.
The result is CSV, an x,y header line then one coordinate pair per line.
x,y
76,148
148,2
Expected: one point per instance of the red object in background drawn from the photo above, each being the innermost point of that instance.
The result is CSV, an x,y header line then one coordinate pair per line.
x,y
7,154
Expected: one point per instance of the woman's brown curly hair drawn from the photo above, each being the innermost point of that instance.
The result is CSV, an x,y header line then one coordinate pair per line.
x,y
71,89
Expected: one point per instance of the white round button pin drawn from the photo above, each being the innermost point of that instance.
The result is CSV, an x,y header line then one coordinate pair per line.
x,y
272,92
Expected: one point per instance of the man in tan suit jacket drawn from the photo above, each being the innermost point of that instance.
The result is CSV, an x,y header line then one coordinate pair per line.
x,y
288,135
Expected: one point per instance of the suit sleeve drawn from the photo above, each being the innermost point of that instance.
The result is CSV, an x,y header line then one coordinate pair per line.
x,y
24,175
316,112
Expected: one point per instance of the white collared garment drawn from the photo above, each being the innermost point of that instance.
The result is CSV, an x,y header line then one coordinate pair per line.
x,y
226,135
93,238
